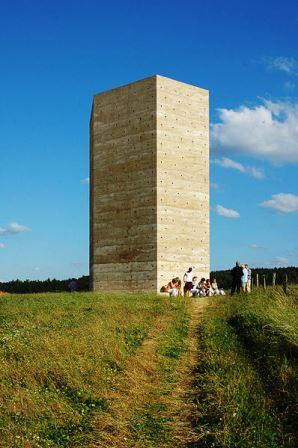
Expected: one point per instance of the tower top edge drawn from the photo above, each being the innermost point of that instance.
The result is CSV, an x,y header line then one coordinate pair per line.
x,y
155,78
206,91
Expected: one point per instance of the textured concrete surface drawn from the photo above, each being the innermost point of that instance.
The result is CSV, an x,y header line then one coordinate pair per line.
x,y
149,184
182,179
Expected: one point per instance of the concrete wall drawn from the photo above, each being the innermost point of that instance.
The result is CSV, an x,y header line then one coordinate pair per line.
x,y
149,202
182,179
123,188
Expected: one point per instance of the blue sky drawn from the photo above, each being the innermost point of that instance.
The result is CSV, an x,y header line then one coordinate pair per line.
x,y
56,55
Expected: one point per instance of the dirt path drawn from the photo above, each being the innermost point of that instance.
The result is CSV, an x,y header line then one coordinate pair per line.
x,y
185,411
141,381
132,391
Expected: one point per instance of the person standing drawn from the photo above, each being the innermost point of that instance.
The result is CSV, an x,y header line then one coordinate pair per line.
x,y
73,285
187,278
244,278
237,273
248,286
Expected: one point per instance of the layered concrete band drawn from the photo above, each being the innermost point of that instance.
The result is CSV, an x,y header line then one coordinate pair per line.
x,y
149,184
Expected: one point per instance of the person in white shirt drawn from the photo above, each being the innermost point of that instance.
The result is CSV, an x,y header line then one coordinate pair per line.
x,y
187,278
215,287
194,290
244,278
248,285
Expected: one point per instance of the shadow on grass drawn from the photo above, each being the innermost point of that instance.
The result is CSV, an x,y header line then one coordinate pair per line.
x,y
275,358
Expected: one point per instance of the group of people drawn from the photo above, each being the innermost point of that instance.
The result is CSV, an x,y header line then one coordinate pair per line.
x,y
241,278
192,287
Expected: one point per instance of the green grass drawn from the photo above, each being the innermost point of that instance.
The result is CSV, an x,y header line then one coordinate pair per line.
x,y
88,369
247,373
62,357
153,424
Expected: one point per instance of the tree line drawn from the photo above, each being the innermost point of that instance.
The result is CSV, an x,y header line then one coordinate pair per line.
x,y
49,285
223,280
224,277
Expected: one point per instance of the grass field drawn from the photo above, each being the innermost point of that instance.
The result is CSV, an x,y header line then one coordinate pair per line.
x,y
136,370
247,371
89,369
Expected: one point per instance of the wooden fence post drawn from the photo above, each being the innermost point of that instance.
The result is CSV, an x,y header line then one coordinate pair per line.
x,y
264,281
285,285
274,279
257,280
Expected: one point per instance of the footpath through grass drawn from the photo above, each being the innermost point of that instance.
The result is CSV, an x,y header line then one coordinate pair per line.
x,y
90,370
246,377
87,369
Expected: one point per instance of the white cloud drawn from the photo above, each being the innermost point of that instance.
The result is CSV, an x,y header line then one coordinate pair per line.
x,y
14,228
37,268
277,262
228,163
86,181
256,246
214,185
268,131
2,246
227,212
282,202
288,65
281,261
225,162
257,173
290,85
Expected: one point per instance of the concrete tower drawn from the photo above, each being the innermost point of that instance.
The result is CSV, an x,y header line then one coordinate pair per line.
x,y
149,179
